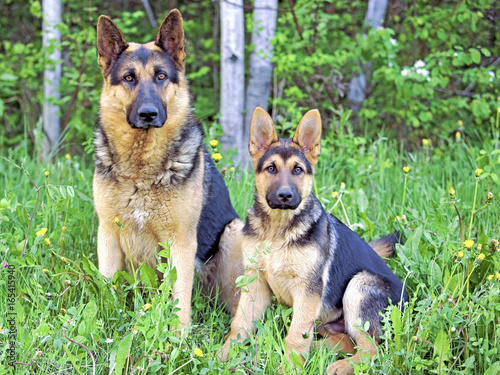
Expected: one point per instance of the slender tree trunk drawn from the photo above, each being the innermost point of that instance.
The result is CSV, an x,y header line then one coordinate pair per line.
x,y
52,73
357,88
261,68
232,74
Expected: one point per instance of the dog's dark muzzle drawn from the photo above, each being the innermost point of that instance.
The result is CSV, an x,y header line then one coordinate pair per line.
x,y
147,116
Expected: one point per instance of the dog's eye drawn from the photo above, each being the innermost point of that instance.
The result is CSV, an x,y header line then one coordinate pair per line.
x,y
162,76
271,169
297,170
128,78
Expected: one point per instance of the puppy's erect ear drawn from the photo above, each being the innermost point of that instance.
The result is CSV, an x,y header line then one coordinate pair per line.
x,y
170,38
262,133
110,42
308,135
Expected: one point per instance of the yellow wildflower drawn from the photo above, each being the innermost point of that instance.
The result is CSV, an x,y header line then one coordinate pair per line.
x,y
459,254
479,246
460,123
406,169
468,244
498,275
47,173
63,228
217,157
426,142
335,194
214,143
198,352
63,310
47,241
458,136
63,259
115,287
489,196
67,156
342,185
147,306
415,338
41,232
45,270
478,172
480,257
452,192
490,277
231,169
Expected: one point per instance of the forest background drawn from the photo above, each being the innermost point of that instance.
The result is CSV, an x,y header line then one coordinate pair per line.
x,y
431,102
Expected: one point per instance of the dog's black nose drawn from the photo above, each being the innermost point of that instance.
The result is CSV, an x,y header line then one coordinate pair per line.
x,y
285,194
148,113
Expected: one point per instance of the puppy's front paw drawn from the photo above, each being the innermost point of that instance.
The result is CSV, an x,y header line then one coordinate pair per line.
x,y
342,367
224,353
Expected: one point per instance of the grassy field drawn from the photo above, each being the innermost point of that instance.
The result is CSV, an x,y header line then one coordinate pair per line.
x,y
65,318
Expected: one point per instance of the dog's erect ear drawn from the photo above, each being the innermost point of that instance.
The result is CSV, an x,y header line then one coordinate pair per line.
x,y
170,38
110,42
308,135
262,133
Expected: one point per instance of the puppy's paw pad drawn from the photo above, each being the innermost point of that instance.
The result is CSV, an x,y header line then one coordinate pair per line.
x,y
342,367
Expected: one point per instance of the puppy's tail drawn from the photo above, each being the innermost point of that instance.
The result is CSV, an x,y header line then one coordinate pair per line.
x,y
384,246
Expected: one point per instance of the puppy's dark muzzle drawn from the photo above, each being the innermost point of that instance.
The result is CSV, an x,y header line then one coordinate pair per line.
x,y
284,199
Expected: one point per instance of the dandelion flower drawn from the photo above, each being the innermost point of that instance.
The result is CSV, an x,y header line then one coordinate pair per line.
x,y
497,275
217,157
41,232
490,277
47,173
45,270
63,310
479,246
468,244
342,185
459,254
415,338
47,241
63,229
460,123
335,194
458,136
481,257
406,169
214,143
426,142
231,169
452,192
115,287
478,172
198,352
67,156
147,306
63,259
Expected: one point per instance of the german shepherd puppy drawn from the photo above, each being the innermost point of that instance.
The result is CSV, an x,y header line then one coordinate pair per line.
x,y
307,258
152,171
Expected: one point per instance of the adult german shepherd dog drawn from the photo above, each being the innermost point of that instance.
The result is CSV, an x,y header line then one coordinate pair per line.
x,y
152,171
307,258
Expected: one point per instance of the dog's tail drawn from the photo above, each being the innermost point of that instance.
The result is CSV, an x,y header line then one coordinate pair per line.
x,y
385,246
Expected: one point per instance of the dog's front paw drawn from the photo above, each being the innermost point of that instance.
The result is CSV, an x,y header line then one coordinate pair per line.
x,y
342,367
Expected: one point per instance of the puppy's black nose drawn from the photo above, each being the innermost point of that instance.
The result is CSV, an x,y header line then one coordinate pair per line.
x,y
148,113
285,194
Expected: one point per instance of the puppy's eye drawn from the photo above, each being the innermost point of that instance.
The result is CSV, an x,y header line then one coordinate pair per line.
x,y
162,76
128,78
271,169
298,170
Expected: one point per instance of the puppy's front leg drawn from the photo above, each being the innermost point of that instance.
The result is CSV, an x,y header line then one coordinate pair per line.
x,y
109,251
251,307
306,309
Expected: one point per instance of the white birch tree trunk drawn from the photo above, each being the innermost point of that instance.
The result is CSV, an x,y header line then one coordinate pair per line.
x,y
232,75
261,68
52,74
374,18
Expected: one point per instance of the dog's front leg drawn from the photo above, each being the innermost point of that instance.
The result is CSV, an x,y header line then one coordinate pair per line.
x,y
251,307
109,251
306,309
183,258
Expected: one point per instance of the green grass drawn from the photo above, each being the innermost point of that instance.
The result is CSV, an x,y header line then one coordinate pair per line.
x,y
71,320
